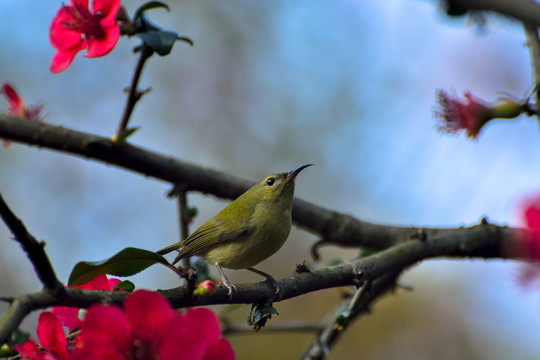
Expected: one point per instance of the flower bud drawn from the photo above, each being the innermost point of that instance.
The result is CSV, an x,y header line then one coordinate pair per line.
x,y
472,113
206,288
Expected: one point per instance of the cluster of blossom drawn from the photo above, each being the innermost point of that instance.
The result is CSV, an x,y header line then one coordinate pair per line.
x,y
146,327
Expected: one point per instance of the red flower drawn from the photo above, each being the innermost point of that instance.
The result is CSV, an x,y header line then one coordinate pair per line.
x,y
529,246
52,339
68,316
471,113
18,108
148,328
206,288
75,28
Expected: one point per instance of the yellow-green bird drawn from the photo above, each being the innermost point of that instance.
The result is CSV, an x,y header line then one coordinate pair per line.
x,y
247,231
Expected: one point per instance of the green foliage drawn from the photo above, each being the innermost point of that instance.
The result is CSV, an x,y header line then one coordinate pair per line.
x,y
342,318
259,314
19,337
126,286
127,262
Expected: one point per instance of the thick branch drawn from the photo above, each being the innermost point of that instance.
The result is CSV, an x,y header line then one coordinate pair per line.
x,y
332,226
485,241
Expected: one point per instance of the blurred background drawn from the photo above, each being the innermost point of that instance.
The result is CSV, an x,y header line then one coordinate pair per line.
x,y
347,85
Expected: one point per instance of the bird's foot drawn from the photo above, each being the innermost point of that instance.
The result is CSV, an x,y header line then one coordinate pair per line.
x,y
269,279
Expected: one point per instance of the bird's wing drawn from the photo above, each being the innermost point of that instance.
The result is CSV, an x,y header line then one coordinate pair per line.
x,y
211,234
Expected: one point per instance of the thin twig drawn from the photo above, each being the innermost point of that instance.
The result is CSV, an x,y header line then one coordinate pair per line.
x,y
184,219
533,42
360,304
33,248
134,94
230,328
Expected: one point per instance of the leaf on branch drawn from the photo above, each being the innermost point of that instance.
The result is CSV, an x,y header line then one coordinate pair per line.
x,y
259,314
19,337
161,41
123,135
127,262
148,6
342,318
126,286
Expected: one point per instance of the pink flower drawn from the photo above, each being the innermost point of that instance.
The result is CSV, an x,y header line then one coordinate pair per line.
x,y
18,108
206,288
148,328
529,246
75,28
472,113
52,339
68,316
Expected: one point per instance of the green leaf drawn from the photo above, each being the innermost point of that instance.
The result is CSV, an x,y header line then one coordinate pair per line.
x,y
259,314
127,262
123,135
147,6
342,318
19,337
161,41
126,286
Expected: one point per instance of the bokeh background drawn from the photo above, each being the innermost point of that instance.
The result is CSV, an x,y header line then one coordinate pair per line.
x,y
269,85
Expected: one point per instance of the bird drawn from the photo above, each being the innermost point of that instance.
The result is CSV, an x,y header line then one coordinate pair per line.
x,y
247,231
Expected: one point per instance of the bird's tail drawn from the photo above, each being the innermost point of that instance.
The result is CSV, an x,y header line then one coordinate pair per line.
x,y
168,249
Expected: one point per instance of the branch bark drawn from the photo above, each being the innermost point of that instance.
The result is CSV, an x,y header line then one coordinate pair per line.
x,y
485,241
525,10
333,227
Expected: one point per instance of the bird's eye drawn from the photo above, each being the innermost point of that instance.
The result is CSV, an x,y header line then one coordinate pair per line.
x,y
270,181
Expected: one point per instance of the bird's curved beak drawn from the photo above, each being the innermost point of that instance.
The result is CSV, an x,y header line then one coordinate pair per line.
x,y
291,175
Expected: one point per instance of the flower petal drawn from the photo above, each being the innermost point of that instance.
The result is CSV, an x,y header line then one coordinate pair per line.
x,y
179,340
79,3
99,283
63,58
60,35
68,317
220,350
108,8
147,311
29,350
16,103
51,334
113,282
105,334
103,46
207,324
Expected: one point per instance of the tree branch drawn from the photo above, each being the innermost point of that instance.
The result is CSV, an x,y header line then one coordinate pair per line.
x,y
359,305
525,10
485,241
32,247
332,226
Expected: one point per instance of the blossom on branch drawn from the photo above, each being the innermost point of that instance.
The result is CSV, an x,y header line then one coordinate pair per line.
x,y
471,113
72,317
18,108
75,28
529,247
148,328
52,339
